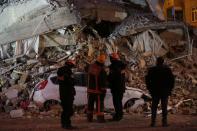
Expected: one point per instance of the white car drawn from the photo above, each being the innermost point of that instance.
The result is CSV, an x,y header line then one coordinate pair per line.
x,y
48,90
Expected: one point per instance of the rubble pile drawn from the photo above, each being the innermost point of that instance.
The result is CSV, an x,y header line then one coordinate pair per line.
x,y
139,39
17,84
186,83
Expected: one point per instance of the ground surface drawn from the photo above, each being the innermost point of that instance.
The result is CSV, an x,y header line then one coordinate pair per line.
x,y
129,123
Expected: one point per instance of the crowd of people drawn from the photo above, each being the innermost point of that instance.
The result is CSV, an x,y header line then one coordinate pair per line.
x,y
159,81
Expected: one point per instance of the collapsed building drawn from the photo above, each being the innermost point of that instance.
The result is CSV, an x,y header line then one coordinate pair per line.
x,y
35,42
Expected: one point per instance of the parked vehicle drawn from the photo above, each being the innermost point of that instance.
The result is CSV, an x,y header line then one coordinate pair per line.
x,y
47,91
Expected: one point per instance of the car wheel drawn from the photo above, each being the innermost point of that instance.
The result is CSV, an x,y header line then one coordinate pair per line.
x,y
49,103
129,104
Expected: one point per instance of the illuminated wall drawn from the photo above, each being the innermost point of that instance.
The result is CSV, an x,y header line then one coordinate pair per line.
x,y
187,7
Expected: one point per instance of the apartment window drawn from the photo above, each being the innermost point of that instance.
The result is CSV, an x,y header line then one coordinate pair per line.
x,y
194,14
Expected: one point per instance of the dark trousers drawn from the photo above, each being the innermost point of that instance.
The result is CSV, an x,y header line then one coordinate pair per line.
x,y
67,112
99,100
164,103
117,101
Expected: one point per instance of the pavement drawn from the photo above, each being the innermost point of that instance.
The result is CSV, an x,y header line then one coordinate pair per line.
x,y
131,122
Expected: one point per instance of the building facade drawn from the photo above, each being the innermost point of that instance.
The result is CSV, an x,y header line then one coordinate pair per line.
x,y
183,10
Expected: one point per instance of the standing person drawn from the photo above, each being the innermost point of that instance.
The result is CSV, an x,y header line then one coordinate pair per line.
x,y
159,82
67,93
116,80
96,89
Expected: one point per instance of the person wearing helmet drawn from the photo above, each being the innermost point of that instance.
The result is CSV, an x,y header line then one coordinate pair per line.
x,y
67,92
116,80
96,89
159,82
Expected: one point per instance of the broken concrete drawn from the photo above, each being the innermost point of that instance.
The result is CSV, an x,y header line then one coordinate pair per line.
x,y
38,20
16,113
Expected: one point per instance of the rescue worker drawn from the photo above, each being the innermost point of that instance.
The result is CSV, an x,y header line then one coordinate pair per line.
x,y
67,93
96,88
116,80
159,82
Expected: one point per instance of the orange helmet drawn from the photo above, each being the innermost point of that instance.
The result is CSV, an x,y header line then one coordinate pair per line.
x,y
70,62
101,58
115,56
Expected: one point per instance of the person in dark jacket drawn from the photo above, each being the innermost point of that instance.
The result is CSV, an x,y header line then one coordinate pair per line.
x,y
159,82
116,80
67,92
96,89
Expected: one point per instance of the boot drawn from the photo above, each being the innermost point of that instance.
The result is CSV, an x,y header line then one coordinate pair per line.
x,y
152,123
100,119
153,120
117,117
89,117
164,123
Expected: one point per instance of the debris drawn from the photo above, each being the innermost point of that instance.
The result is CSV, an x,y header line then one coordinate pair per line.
x,y
160,111
5,71
11,93
34,24
24,78
16,113
142,63
149,41
156,9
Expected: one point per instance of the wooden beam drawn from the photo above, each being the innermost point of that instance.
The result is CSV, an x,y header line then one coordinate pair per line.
x,y
42,24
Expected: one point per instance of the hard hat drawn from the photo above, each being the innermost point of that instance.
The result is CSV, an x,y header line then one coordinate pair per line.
x,y
70,62
115,56
101,58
